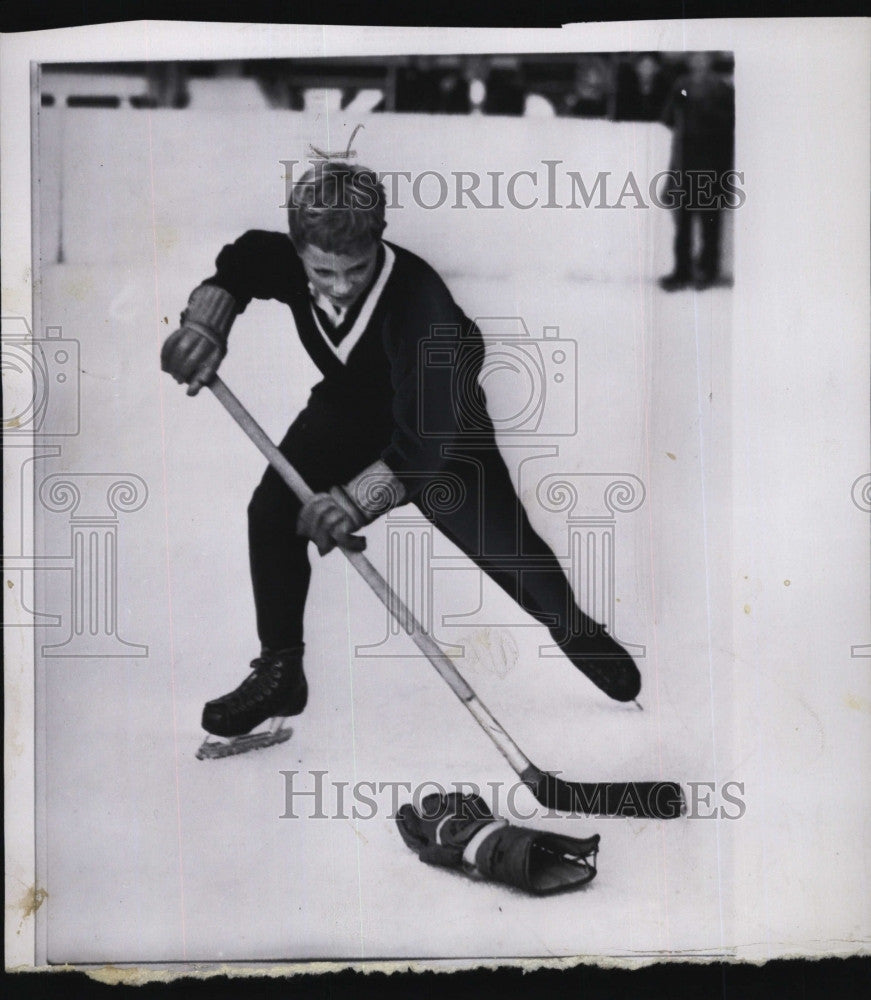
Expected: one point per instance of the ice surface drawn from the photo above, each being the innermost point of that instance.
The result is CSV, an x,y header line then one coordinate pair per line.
x,y
150,854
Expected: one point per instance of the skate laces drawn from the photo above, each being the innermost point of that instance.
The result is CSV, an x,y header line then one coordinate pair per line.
x,y
262,664
271,673
276,669
257,687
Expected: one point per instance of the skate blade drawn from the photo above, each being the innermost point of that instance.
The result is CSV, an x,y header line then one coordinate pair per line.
x,y
216,747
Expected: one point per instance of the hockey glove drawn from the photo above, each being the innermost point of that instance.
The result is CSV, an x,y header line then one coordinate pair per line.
x,y
193,353
329,519
459,831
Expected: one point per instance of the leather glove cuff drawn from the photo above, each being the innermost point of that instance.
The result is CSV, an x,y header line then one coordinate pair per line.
x,y
373,492
211,311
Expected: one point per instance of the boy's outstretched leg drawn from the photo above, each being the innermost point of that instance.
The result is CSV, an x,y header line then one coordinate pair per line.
x,y
492,528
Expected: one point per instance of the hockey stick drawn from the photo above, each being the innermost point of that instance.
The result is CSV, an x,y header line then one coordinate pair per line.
x,y
653,799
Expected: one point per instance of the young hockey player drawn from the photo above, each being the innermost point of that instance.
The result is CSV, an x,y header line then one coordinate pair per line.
x,y
381,428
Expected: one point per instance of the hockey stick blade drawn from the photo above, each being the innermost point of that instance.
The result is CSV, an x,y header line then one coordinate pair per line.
x,y
643,799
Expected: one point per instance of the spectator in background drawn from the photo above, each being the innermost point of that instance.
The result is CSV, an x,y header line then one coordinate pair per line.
x,y
454,93
505,89
277,88
167,84
700,111
589,98
418,86
642,88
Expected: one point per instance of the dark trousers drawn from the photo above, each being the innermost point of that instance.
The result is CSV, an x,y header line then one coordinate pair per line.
x,y
709,256
471,500
710,155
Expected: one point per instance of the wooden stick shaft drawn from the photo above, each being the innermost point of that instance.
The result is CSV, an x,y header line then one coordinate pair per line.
x,y
388,597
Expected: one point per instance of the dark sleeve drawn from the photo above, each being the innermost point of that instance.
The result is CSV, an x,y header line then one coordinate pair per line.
x,y
256,266
422,339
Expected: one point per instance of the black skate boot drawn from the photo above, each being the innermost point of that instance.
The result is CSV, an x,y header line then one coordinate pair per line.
x,y
605,662
276,689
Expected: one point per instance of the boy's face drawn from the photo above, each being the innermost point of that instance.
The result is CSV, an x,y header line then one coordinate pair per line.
x,y
341,277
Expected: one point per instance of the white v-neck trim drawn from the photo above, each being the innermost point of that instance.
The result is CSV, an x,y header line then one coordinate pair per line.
x,y
349,341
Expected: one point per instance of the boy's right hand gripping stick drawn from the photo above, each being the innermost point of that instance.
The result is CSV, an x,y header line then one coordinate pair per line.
x,y
194,352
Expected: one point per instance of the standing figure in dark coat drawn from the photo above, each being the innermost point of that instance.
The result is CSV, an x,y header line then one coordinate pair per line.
x,y
701,113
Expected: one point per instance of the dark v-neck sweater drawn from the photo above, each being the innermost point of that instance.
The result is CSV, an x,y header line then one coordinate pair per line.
x,y
332,327
408,364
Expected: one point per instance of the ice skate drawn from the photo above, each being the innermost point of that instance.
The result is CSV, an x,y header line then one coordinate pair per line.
x,y
605,662
275,690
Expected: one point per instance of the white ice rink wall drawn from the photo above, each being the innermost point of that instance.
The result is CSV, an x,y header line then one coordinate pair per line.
x,y
171,183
